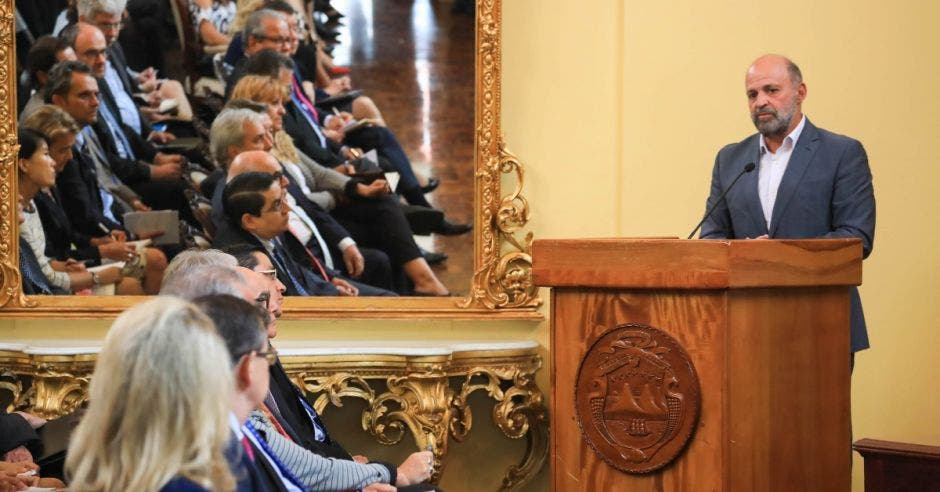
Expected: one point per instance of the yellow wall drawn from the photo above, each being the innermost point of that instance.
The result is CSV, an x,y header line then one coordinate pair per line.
x,y
618,109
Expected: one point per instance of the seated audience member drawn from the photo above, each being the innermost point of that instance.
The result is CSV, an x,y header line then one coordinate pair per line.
x,y
241,326
43,55
237,130
98,186
195,257
211,19
62,240
334,253
310,69
258,214
368,211
256,259
19,442
108,16
36,171
160,406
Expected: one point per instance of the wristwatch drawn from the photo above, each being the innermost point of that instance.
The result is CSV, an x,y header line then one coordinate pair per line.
x,y
94,279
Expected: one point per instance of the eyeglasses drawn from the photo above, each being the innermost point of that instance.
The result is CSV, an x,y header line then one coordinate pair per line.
x,y
275,39
110,26
271,274
262,300
269,355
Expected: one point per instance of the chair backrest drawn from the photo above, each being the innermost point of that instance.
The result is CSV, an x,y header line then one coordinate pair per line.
x,y
190,44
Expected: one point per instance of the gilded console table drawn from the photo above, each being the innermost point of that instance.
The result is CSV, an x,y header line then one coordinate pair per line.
x,y
416,388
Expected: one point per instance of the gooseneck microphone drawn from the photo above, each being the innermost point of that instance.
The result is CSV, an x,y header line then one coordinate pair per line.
x,y
748,168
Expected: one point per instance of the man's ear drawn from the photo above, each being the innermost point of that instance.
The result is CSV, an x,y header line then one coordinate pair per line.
x,y
249,222
801,92
243,373
58,100
232,152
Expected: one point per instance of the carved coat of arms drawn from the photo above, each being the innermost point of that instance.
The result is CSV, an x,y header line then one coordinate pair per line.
x,y
637,398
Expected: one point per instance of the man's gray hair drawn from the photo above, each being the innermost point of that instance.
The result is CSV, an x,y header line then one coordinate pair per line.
x,y
228,130
203,280
194,257
254,25
88,8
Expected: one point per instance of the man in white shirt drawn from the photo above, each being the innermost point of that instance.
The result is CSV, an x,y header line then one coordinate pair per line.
x,y
811,183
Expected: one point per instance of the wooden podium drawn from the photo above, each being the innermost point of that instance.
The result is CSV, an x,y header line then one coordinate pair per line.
x,y
765,324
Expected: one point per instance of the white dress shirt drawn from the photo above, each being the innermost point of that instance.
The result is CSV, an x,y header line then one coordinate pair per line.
x,y
772,167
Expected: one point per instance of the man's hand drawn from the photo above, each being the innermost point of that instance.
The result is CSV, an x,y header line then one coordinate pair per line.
x,y
344,287
34,421
140,206
354,261
19,455
166,166
358,458
375,189
161,137
416,469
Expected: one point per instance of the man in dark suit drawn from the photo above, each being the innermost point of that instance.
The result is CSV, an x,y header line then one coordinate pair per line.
x,y
128,154
258,214
811,183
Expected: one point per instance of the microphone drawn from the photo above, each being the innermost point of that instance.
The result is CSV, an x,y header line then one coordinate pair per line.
x,y
748,168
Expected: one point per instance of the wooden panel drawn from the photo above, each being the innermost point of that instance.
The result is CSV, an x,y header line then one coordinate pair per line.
x,y
665,263
787,415
899,467
683,264
696,322
795,263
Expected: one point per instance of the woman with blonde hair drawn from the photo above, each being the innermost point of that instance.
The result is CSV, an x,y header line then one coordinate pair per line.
x,y
368,211
159,405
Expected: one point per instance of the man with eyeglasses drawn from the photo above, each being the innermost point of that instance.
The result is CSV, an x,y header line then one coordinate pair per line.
x,y
134,161
108,16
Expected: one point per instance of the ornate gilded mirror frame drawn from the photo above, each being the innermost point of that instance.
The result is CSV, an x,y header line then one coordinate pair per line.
x,y
501,286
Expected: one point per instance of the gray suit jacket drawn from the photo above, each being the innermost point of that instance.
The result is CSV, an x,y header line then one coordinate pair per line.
x,y
826,192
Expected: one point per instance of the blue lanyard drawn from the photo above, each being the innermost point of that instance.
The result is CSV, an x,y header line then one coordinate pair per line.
x,y
269,454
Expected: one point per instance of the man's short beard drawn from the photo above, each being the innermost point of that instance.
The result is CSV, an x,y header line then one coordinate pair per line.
x,y
776,126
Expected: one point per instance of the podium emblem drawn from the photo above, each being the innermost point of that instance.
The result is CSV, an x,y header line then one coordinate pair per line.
x,y
637,398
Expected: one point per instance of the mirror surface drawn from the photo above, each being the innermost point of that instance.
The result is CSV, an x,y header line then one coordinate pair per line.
x,y
432,102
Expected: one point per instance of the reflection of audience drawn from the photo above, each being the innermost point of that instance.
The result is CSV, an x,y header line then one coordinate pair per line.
x,y
63,241
367,210
36,171
159,406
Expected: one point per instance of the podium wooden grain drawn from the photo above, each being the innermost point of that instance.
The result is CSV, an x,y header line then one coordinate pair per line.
x,y
766,324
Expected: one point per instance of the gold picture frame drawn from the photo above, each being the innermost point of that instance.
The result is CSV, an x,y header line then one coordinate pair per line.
x,y
501,286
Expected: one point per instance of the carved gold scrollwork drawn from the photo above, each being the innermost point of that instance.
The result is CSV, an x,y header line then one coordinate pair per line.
x,y
10,382
53,395
335,387
420,403
504,280
518,412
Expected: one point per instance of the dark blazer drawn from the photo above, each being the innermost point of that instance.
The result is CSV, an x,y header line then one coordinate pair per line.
x,y
299,263
306,140
60,236
292,416
81,199
826,192
15,432
181,484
